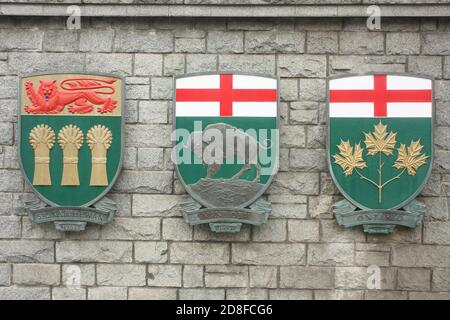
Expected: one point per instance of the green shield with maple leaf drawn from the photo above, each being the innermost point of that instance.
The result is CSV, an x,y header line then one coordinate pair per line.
x,y
380,138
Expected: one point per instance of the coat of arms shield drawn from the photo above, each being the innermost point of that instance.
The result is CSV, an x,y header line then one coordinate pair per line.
x,y
70,149
226,146
380,148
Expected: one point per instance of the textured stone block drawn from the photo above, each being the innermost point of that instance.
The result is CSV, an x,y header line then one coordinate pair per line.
x,y
306,277
10,227
21,251
201,62
436,43
164,276
27,62
386,295
426,65
420,256
263,277
226,276
202,294
23,39
24,293
322,42
436,232
60,40
93,251
5,275
143,41
290,294
177,229
173,64
361,42
441,279
121,275
273,231
107,293
296,183
69,293
110,63
148,64
402,43
247,294
338,294
156,205
362,278
152,294
36,274
429,296
332,232
190,45
192,276
303,230
248,63
92,40
368,258
152,252
272,42
132,229
308,159
78,274
308,66
199,253
225,42
144,182
268,254
339,254
414,279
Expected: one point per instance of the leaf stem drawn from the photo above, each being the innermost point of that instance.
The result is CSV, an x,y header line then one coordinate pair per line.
x,y
394,178
365,178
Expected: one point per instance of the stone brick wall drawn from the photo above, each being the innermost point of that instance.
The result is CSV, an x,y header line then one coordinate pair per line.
x,y
148,252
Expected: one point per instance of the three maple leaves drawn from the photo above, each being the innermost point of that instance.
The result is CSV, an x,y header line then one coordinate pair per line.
x,y
409,158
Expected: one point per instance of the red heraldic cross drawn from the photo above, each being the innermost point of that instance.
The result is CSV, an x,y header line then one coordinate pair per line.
x,y
226,95
380,96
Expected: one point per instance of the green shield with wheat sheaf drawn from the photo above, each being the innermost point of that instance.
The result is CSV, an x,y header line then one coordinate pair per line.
x,y
71,135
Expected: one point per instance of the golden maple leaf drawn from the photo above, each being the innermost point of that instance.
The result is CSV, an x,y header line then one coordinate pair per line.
x,y
349,159
380,140
410,158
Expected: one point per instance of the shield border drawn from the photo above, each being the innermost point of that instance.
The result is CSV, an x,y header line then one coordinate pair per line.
x,y
186,187
122,133
419,190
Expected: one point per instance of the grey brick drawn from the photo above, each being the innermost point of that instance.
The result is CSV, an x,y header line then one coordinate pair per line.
x,y
226,276
309,66
111,63
364,64
149,251
306,277
268,254
70,273
148,64
156,205
8,89
24,293
93,251
248,63
143,41
107,293
94,40
60,40
290,294
308,159
361,43
133,229
152,294
296,183
177,229
332,254
151,158
161,88
414,279
441,279
145,182
303,230
68,293
37,274
338,294
26,251
27,62
190,45
202,294
273,231
153,111
5,275
121,275
225,42
322,42
263,277
436,233
199,253
247,294
173,64
192,276
23,39
271,42
201,62
358,278
402,43
10,227
420,256
426,65
436,43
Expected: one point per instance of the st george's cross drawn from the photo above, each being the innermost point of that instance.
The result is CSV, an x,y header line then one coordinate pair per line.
x,y
243,110
380,141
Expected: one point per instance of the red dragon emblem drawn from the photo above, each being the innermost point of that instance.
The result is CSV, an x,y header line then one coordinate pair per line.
x,y
84,93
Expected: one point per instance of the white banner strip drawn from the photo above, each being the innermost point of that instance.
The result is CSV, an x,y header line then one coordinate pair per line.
x,y
351,110
254,109
407,83
199,82
410,110
253,82
352,83
197,109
